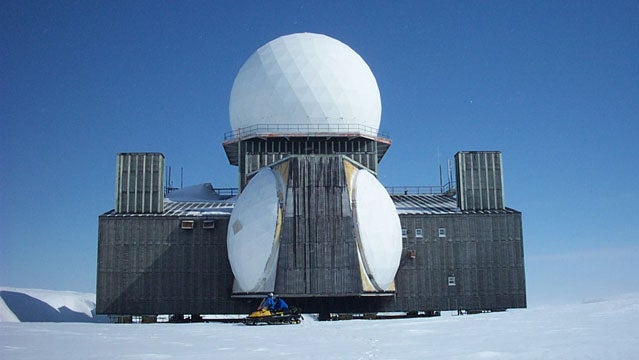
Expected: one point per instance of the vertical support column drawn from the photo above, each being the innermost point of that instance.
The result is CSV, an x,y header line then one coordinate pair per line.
x,y
242,173
376,161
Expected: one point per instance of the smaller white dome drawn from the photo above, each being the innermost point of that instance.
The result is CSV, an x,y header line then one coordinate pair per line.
x,y
380,231
305,79
250,238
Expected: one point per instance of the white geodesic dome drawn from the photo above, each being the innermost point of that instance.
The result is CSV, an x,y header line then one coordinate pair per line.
x,y
305,82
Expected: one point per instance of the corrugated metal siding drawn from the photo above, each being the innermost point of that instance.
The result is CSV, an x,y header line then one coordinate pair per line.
x,y
149,265
139,183
257,153
479,180
484,252
318,253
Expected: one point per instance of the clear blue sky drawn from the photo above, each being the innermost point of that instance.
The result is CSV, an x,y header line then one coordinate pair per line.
x,y
554,86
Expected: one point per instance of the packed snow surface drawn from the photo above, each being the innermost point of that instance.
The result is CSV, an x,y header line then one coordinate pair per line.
x,y
251,231
380,231
305,79
596,330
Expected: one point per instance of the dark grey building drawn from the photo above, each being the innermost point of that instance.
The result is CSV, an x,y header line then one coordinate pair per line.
x,y
462,249
459,259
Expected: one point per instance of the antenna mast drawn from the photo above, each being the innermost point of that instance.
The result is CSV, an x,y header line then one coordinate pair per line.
x,y
441,182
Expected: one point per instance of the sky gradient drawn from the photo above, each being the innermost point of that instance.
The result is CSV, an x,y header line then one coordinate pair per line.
x,y
552,85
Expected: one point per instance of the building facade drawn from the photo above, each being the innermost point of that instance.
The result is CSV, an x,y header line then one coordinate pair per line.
x,y
311,221
467,257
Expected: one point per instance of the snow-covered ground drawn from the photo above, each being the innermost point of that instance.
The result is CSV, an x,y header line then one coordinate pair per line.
x,y
605,329
29,305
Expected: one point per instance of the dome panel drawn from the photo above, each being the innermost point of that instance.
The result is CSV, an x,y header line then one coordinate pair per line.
x,y
251,231
379,228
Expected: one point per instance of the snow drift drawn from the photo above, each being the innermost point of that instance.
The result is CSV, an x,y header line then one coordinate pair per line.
x,y
32,305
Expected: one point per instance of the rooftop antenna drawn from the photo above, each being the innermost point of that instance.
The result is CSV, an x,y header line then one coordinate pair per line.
x,y
181,177
169,182
441,182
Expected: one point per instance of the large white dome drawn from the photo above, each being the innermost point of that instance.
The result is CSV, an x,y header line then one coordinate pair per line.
x,y
305,79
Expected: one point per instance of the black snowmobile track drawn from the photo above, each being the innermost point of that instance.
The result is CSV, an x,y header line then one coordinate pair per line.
x,y
274,320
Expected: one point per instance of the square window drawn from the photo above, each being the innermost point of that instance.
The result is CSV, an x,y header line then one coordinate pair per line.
x,y
187,224
442,232
404,232
208,224
419,233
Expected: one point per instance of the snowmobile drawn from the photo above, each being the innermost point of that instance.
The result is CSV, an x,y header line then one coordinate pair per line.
x,y
274,317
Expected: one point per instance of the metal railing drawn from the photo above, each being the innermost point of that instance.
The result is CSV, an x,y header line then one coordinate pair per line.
x,y
226,191
420,190
393,190
304,130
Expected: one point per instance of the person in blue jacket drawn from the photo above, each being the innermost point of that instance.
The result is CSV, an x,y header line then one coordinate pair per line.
x,y
280,305
268,302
